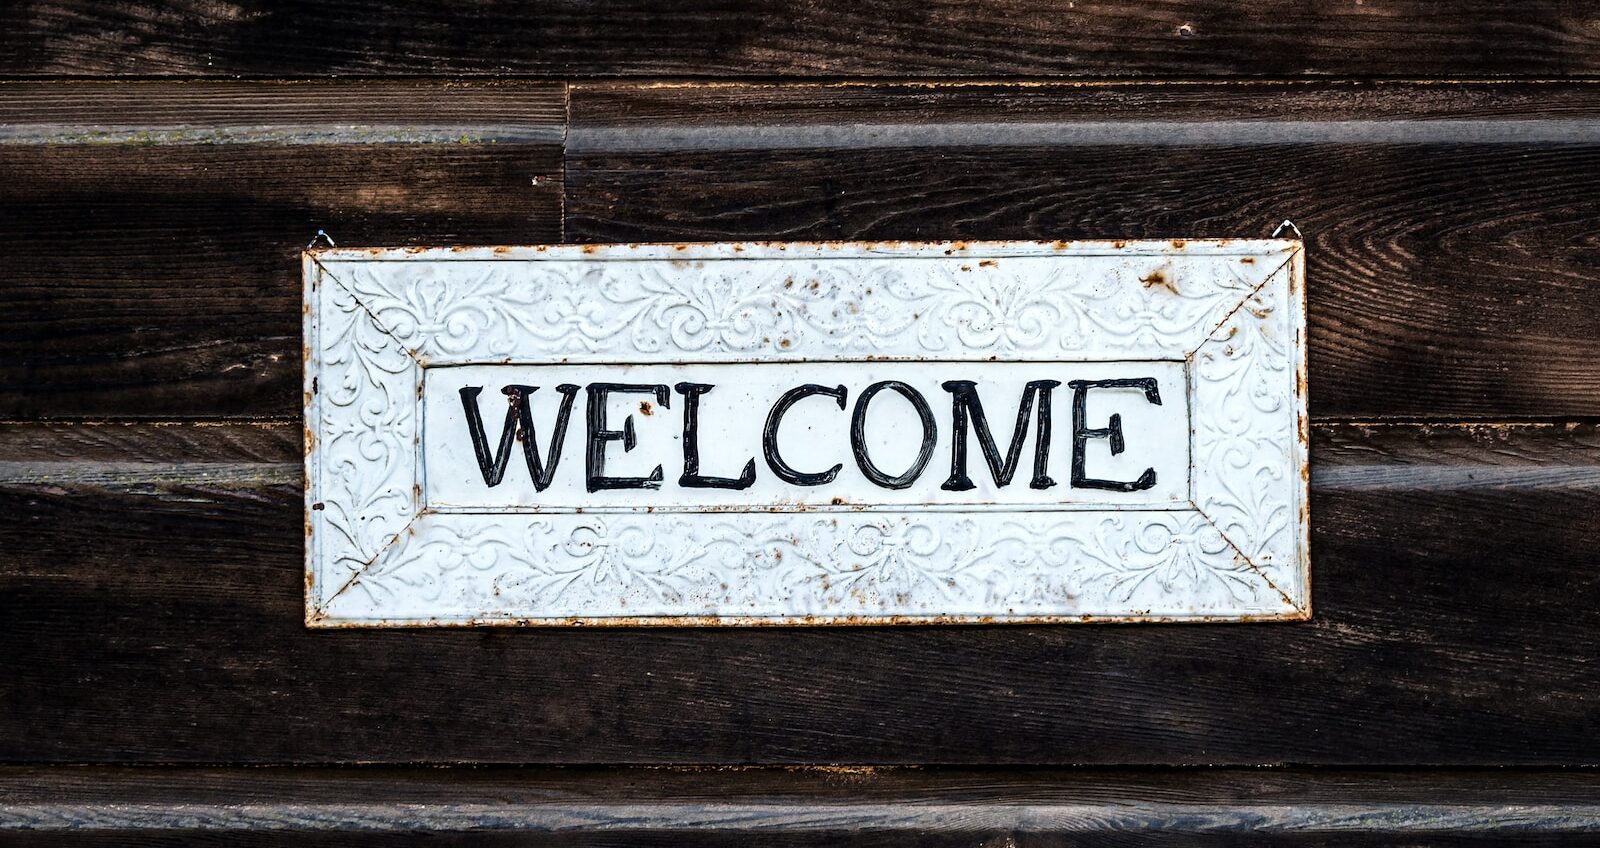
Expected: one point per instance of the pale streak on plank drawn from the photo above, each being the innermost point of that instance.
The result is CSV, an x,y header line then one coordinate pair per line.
x,y
803,802
1398,820
623,138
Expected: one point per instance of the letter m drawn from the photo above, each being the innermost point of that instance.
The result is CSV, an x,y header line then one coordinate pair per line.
x,y
964,398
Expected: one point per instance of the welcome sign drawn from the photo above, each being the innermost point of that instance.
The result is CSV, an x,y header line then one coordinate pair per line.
x,y
806,433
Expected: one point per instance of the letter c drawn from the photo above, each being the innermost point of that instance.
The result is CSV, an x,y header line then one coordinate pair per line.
x,y
769,435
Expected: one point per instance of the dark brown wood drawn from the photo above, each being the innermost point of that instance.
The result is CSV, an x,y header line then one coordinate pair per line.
x,y
932,110
151,563
151,590
151,233
87,444
347,112
1450,268
802,806
296,38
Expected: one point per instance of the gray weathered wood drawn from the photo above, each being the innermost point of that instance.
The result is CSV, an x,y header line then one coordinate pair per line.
x,y
806,806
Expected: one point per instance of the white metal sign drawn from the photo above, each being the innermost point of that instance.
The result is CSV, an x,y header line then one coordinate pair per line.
x,y
806,433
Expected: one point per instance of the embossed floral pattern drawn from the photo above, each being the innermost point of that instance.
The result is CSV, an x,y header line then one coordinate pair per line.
x,y
1246,440
819,308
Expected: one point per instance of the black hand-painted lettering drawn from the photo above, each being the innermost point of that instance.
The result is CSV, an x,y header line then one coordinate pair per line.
x,y
1081,433
965,403
599,435
769,436
691,477
493,468
519,418
858,435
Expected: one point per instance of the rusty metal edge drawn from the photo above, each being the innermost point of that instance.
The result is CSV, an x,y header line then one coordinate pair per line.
x,y
1302,394
706,249
319,622
310,422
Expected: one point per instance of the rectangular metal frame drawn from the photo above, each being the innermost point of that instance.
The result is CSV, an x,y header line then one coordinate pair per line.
x,y
1233,310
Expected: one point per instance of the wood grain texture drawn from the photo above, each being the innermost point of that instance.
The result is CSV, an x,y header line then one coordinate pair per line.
x,y
1451,247
981,834
157,619
800,807
151,233
715,38
153,458
349,112
151,563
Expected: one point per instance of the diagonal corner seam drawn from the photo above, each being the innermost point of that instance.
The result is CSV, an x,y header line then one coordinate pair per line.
x,y
367,310
1271,275
1293,604
321,609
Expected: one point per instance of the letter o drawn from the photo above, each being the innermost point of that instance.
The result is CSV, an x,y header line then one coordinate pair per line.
x,y
858,435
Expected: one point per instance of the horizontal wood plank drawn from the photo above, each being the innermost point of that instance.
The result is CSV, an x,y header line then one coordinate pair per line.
x,y
151,232
887,38
153,614
1451,263
828,806
350,112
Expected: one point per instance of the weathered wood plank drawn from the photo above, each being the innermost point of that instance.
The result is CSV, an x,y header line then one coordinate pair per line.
x,y
801,807
153,458
1456,457
151,233
350,112
87,443
160,620
1414,38
1450,265
845,838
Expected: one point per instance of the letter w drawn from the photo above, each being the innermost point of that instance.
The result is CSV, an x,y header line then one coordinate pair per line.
x,y
519,421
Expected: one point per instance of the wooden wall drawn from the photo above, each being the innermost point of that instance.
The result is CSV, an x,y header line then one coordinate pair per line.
x,y
162,165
